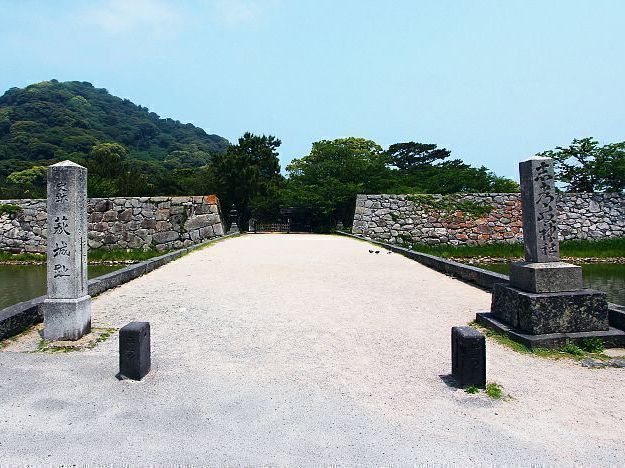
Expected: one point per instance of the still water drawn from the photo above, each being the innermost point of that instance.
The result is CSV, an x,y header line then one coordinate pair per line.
x,y
606,277
22,282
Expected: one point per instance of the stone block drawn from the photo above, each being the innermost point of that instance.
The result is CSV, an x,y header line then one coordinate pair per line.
x,y
546,277
66,319
134,351
541,313
468,357
162,237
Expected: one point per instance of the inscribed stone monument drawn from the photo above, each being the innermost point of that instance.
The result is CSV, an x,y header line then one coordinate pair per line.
x,y
542,270
545,295
67,308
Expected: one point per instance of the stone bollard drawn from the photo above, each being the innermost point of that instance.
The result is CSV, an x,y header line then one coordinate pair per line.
x,y
134,351
468,357
67,308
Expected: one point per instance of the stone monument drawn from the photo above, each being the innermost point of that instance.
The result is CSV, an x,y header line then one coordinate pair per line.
x,y
234,227
67,308
545,296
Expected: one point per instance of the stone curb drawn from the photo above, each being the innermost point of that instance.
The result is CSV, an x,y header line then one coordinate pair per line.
x,y
18,317
469,274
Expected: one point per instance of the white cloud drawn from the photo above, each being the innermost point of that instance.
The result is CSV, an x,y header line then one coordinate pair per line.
x,y
119,16
234,12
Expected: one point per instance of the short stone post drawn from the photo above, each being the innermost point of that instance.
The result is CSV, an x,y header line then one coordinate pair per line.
x,y
134,351
468,357
67,308
234,227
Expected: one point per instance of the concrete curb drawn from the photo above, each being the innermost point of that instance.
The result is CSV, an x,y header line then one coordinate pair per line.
x,y
470,274
18,317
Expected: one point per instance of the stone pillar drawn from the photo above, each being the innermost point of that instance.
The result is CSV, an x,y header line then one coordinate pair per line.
x,y
234,227
542,270
540,215
67,309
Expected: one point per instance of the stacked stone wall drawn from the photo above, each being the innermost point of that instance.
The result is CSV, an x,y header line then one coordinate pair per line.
x,y
161,223
403,218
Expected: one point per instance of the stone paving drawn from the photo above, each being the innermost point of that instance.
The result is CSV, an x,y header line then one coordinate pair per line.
x,y
301,350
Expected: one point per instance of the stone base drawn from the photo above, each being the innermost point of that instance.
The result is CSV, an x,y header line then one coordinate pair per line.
x,y
612,338
66,319
546,277
538,314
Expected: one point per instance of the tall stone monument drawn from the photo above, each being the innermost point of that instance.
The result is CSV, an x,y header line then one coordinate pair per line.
x,y
545,296
67,309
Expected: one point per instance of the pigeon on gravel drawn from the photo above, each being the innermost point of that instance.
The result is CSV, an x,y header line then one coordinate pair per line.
x,y
370,251
377,251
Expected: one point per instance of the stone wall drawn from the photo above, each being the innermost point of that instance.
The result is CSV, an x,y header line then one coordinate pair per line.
x,y
162,223
404,218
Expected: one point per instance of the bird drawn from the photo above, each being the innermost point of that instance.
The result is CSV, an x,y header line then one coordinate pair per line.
x,y
377,251
389,252
370,251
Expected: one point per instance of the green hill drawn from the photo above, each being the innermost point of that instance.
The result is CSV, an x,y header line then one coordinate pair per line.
x,y
51,121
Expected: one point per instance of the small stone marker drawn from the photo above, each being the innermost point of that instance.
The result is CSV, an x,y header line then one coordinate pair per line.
x,y
468,357
67,308
134,351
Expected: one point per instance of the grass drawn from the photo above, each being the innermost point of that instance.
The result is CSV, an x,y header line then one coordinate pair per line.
x,y
117,255
22,257
44,345
94,256
494,390
6,208
603,248
590,347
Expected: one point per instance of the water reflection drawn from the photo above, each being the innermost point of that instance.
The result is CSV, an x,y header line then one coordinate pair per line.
x,y
606,277
22,282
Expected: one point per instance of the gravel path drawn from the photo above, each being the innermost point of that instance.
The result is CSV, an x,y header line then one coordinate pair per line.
x,y
301,349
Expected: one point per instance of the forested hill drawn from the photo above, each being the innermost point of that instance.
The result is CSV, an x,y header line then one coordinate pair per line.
x,y
52,121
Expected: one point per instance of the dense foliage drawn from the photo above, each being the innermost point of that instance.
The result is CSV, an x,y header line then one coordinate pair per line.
x,y
50,121
585,166
130,151
325,183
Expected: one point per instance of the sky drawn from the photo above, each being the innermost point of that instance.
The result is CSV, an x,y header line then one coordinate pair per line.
x,y
494,81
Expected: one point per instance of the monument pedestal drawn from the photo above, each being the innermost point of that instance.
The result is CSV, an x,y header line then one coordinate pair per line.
x,y
539,313
546,277
66,319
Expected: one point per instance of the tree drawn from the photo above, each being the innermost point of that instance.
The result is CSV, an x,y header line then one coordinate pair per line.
x,y
412,155
586,166
31,182
325,182
246,172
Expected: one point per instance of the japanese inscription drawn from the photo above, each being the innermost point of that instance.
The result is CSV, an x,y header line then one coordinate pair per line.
x,y
61,192
540,216
66,230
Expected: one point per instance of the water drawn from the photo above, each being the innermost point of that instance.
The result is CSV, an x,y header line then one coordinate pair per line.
x,y
22,282
606,277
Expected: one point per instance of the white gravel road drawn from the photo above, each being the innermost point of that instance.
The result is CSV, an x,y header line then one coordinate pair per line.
x,y
301,350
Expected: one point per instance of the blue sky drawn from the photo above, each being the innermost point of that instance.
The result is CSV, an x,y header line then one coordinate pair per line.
x,y
494,81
